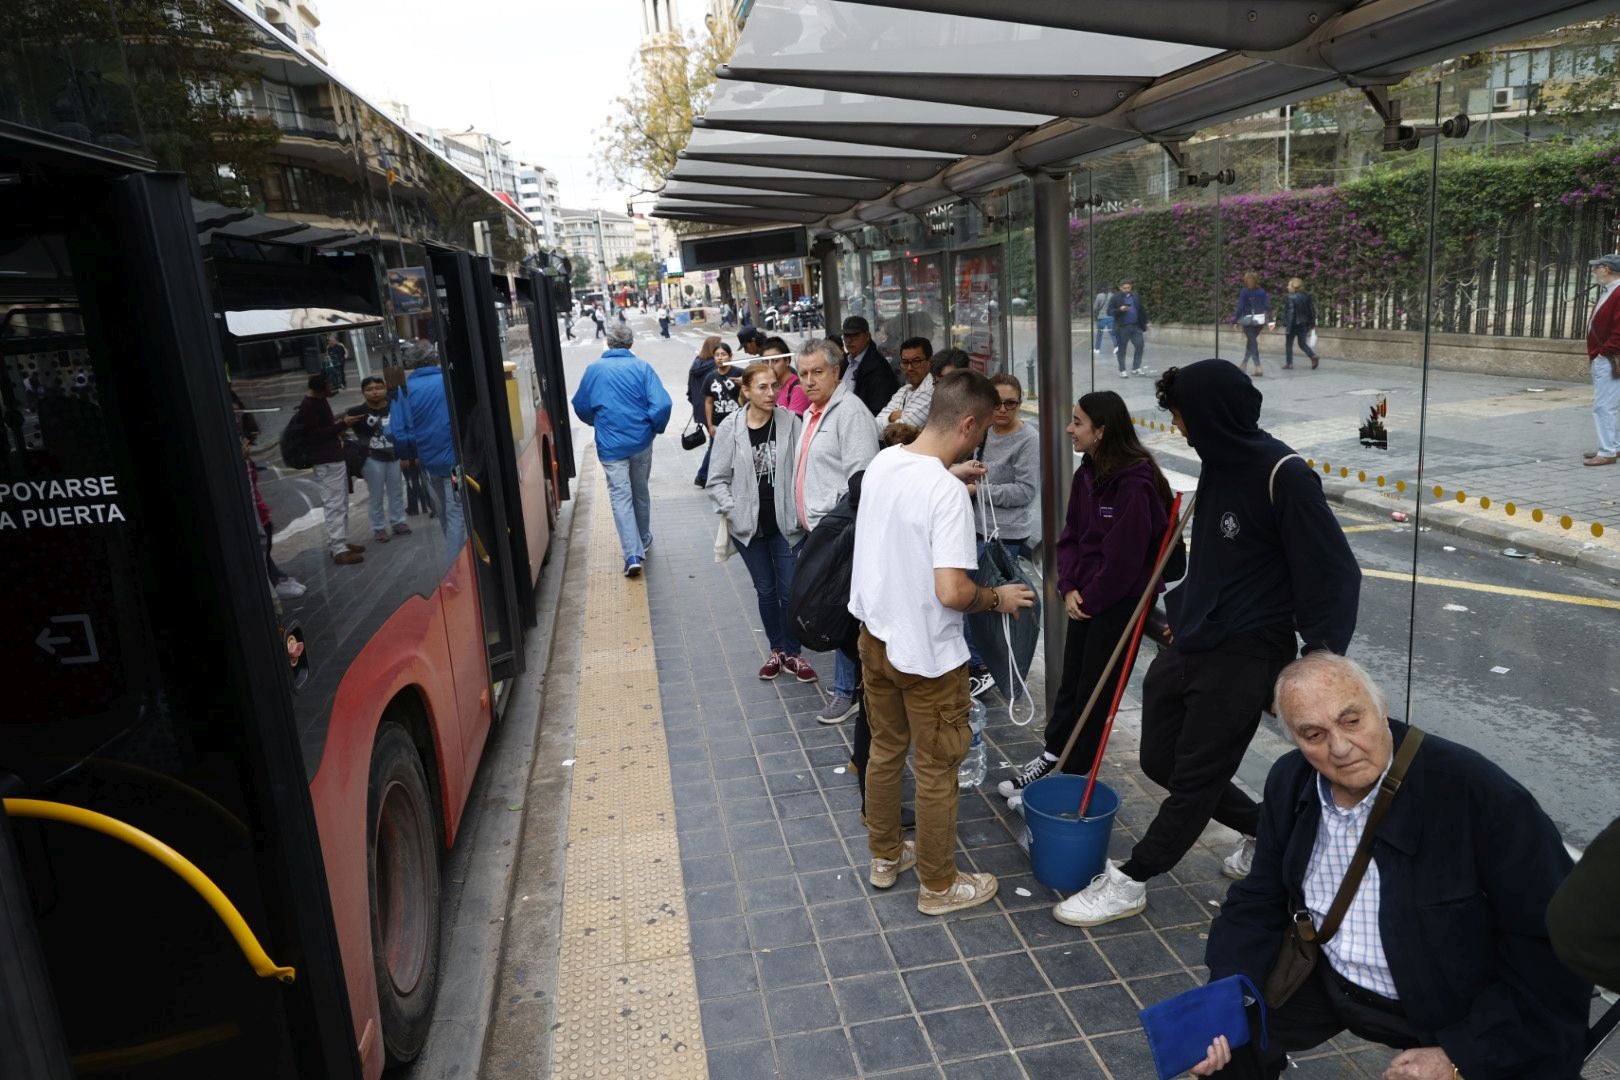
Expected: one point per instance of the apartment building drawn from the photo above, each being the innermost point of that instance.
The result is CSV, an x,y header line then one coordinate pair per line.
x,y
295,20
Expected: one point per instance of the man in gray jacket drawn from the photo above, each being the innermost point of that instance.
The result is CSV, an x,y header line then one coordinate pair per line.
x,y
839,440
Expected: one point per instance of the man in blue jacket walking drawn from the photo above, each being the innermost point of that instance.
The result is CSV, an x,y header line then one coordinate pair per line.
x,y
621,397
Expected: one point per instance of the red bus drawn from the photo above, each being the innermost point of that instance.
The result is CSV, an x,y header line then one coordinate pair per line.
x,y
231,764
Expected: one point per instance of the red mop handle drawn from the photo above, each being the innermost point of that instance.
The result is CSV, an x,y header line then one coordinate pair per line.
x,y
1171,533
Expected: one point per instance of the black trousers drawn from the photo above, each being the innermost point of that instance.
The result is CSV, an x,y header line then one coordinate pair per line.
x,y
1087,645
1199,712
1319,1010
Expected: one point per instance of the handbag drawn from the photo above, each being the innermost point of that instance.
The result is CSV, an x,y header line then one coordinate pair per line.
x,y
1302,941
694,437
1180,1029
723,547
354,458
1310,339
1254,318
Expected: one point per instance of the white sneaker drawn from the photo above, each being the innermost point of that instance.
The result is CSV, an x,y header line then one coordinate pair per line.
x,y
968,890
1238,864
1015,801
290,588
1144,372
886,871
1110,896
1124,374
980,684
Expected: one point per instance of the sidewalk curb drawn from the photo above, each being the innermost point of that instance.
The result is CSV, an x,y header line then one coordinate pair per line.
x,y
1570,552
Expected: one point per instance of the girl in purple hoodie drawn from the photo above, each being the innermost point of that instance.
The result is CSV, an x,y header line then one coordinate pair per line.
x,y
1119,507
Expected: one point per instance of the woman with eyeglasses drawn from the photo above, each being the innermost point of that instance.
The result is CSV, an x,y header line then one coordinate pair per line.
x,y
1011,453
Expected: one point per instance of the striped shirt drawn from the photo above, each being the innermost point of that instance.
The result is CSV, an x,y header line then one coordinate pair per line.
x,y
1356,951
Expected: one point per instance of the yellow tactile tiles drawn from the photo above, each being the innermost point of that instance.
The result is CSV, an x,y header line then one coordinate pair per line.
x,y
627,1002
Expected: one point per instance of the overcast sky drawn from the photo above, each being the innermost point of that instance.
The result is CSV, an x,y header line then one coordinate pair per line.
x,y
540,73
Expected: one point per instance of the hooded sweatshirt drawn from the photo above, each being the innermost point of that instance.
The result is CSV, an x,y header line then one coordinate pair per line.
x,y
1264,563
1111,537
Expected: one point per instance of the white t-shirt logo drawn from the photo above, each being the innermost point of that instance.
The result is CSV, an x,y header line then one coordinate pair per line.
x,y
1229,525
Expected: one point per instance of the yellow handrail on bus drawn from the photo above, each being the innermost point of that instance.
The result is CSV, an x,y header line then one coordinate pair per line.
x,y
148,844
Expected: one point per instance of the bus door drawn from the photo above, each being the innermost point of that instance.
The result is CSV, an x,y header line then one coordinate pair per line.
x,y
548,366
464,325
145,714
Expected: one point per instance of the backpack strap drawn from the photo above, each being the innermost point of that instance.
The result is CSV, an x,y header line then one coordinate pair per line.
x,y
1271,485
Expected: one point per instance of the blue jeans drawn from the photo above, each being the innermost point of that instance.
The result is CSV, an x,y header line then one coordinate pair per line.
x,y
1125,337
452,518
1605,405
632,504
1105,325
843,675
384,477
1015,548
770,563
1300,333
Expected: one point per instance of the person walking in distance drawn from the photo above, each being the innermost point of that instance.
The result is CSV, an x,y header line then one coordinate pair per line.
x,y
1118,509
839,440
323,432
1130,323
1269,565
1298,323
663,320
1603,353
384,481
622,399
1253,313
911,581
751,483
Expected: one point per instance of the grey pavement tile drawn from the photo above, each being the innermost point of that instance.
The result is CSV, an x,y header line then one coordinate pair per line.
x,y
857,956
825,886
1002,859
1033,1021
1136,955
767,720
814,736
1197,865
693,818
741,787
706,870
747,1061
754,835
1127,1056
769,893
962,1033
1077,963
708,841
890,1044
1012,975
1206,891
1187,942
996,1067
828,757
799,804
780,742
896,907
736,1019
1335,1067
731,768
1156,989
796,965
763,863
850,824
743,811
790,783
775,929
919,1072
983,935
1064,1061
921,945
841,791
822,855
712,902
822,1055
695,794
784,761
801,1008
1039,928
717,937
725,976
685,752
845,918
808,830
871,997
940,987
983,834
975,808
730,751
1174,906
1103,1009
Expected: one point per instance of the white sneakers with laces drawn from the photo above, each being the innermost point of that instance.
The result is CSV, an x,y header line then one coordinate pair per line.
x,y
968,890
886,871
1110,896
1037,767
1238,864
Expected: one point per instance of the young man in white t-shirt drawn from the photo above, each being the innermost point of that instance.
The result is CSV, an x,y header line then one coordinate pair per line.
x,y
911,581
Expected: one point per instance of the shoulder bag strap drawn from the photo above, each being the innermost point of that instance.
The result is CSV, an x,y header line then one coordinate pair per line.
x,y
1358,865
1271,485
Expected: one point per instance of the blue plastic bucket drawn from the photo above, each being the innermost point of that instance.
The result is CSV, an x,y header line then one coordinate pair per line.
x,y
1066,852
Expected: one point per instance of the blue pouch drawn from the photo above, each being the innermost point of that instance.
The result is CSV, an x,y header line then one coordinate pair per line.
x,y
1180,1029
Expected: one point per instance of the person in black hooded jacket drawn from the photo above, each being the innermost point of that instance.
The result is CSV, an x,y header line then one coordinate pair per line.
x,y
1269,561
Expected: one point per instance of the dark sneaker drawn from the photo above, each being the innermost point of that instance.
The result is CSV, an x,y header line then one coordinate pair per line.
x,y
402,529
348,558
632,566
1030,773
772,668
978,684
839,709
381,536
798,667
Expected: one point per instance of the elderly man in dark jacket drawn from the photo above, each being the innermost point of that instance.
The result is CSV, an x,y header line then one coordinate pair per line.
x,y
1443,953
867,372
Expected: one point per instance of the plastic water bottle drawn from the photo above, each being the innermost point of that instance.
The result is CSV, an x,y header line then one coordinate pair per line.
x,y
972,770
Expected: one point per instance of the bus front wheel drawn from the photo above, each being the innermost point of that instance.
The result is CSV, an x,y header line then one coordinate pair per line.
x,y
403,869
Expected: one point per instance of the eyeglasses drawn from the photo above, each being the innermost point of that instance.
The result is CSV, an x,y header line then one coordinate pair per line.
x,y
1008,403
915,362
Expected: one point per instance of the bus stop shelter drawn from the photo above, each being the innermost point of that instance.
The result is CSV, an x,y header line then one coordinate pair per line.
x,y
837,115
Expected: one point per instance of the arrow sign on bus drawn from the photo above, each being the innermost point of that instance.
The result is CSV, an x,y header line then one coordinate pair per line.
x,y
49,641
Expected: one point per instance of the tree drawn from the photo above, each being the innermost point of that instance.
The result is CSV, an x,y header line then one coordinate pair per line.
x,y
639,143
582,270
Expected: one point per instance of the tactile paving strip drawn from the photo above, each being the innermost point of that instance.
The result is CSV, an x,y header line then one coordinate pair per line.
x,y
626,992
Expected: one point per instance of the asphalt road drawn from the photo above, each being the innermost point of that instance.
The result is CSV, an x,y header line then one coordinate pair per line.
x,y
1516,658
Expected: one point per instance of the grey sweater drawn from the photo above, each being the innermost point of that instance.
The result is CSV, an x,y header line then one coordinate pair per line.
x,y
732,484
843,443
1014,481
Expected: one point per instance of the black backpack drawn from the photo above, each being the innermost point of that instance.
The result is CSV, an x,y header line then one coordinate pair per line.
x,y
818,607
295,442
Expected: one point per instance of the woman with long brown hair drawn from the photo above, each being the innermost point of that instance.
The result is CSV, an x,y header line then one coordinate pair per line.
x,y
697,386
1119,506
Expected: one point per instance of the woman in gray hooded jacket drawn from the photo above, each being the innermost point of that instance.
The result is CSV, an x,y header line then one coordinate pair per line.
x,y
751,483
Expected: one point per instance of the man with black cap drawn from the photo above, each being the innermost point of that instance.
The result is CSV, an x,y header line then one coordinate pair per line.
x,y
752,341
1603,351
867,372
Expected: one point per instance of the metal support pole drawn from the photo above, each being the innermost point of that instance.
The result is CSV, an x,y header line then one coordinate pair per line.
x,y
831,307
752,284
1055,398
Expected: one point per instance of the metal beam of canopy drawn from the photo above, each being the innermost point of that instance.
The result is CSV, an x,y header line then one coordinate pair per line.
x,y
740,213
1255,25
849,186
875,167
958,140
820,203
1051,95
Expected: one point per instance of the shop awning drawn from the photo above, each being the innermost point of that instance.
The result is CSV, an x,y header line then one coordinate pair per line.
x,y
890,106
